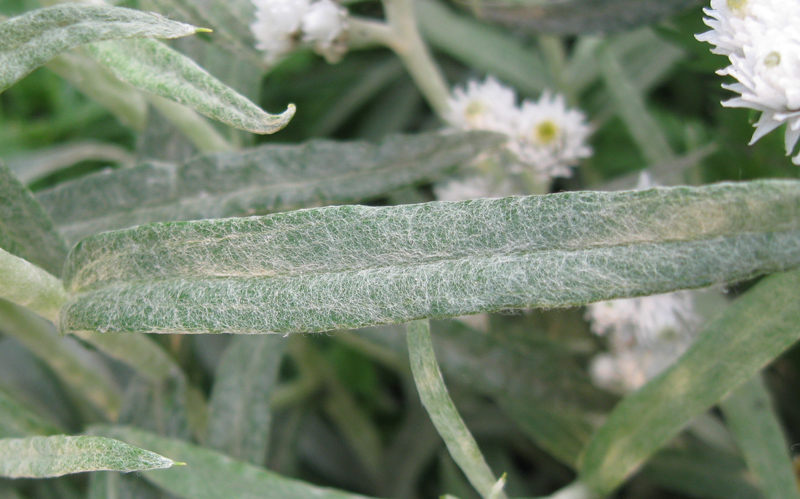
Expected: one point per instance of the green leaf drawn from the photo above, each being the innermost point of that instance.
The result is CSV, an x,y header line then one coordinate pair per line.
x,y
26,230
351,266
750,416
574,17
17,420
263,179
152,66
62,355
239,410
732,349
136,350
25,284
483,47
43,162
430,385
41,457
211,475
30,40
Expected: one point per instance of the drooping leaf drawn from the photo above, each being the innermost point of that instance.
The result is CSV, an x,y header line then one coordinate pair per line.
x,y
211,475
732,349
263,179
17,420
350,266
152,66
433,392
26,230
57,455
30,40
239,410
753,422
575,17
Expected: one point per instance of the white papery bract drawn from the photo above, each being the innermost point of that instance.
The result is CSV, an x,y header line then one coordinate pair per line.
x,y
762,40
645,335
544,136
549,137
282,25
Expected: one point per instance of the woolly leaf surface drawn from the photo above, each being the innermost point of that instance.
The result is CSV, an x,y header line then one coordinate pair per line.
x,y
26,230
263,179
25,284
349,266
152,66
211,475
758,327
57,455
451,427
30,40
239,409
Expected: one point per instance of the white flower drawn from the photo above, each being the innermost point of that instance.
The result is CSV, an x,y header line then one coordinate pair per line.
x,y
551,138
544,136
281,25
472,187
645,336
762,40
483,106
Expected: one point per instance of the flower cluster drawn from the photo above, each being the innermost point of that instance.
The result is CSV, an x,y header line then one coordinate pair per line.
x,y
762,40
544,135
281,26
645,335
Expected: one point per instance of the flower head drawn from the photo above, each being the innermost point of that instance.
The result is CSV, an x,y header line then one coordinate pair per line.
x,y
544,136
762,41
282,25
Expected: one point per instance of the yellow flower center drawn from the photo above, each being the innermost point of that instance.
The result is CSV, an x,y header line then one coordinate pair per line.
x,y
545,132
474,111
772,59
738,7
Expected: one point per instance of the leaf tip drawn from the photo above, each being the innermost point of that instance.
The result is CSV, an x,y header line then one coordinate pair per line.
x,y
203,30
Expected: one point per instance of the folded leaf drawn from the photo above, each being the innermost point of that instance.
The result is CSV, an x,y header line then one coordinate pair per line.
x,y
350,266
263,179
150,65
30,40
41,457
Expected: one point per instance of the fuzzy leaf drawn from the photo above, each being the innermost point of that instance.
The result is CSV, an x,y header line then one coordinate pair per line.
x,y
25,284
26,230
262,179
758,327
30,40
211,475
41,457
150,65
350,266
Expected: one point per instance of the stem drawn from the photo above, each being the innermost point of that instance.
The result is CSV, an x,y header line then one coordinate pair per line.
x,y
400,33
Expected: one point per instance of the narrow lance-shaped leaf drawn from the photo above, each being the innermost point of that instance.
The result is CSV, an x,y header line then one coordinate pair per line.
x,y
263,179
30,40
150,65
758,327
25,284
350,266
42,457
430,384
753,422
26,230
211,475
239,410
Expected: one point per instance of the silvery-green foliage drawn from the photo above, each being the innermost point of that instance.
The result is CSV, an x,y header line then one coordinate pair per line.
x,y
352,266
30,40
41,457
